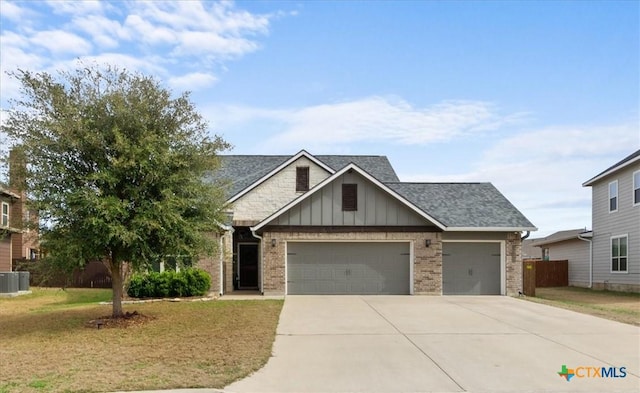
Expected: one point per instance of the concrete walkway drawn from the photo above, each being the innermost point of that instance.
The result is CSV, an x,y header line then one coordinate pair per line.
x,y
441,344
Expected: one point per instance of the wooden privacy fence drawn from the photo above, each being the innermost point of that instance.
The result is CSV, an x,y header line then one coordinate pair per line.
x,y
94,275
542,274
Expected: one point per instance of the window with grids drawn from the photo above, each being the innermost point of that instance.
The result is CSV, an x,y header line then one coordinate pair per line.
x,y
4,220
349,197
302,178
619,253
613,196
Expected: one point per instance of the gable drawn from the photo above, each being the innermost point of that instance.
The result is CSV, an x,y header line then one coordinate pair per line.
x,y
374,207
275,191
243,172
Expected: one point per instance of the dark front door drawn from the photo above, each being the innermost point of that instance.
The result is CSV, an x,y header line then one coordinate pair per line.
x,y
248,266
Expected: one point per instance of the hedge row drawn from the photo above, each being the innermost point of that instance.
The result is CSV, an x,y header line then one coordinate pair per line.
x,y
187,282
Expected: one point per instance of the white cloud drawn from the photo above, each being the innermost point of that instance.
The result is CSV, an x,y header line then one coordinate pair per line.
x,y
60,42
145,36
12,11
77,7
371,119
193,81
542,171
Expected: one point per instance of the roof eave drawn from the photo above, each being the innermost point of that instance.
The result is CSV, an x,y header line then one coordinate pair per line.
x,y
490,229
604,174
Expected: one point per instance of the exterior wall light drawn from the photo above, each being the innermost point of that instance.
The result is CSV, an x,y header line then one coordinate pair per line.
x,y
273,242
427,242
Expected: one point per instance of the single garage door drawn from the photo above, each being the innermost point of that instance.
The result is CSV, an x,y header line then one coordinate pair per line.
x,y
347,268
471,268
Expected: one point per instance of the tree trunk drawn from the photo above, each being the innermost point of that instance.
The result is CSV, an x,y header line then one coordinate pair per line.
x,y
117,286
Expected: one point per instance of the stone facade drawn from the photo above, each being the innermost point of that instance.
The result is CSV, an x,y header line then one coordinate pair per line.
x,y
513,263
275,192
427,265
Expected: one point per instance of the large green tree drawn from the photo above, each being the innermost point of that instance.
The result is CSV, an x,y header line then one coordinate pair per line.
x,y
115,168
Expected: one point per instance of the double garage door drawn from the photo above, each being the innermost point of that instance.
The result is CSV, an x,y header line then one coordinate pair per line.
x,y
384,268
348,268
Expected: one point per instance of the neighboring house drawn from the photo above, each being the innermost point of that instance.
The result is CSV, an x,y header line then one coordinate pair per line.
x,y
616,225
307,224
529,251
571,245
8,233
16,241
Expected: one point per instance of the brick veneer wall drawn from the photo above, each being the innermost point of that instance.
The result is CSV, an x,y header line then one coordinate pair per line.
x,y
427,265
513,263
211,263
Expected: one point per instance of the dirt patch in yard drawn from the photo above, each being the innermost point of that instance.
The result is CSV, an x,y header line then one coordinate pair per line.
x,y
618,306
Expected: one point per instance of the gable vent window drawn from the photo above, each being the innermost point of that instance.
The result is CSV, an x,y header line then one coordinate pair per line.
x,y
349,197
302,178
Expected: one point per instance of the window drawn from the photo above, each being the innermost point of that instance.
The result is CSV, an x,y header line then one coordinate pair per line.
x,y
349,197
613,196
5,214
636,188
545,254
302,178
619,254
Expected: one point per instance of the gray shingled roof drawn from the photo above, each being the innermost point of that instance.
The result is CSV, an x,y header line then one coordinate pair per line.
x,y
618,165
468,205
243,170
559,236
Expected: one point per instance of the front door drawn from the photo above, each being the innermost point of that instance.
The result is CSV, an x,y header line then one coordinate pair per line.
x,y
248,266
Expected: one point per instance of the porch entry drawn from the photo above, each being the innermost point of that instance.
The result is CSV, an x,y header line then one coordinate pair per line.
x,y
248,265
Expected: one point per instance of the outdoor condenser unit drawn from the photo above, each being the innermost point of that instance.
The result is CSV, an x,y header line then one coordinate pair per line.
x,y
9,282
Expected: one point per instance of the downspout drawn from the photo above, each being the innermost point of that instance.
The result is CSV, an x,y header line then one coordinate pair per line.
x,y
590,258
253,232
525,236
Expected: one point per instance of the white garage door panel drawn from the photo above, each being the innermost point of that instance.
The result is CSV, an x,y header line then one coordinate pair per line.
x,y
471,269
347,268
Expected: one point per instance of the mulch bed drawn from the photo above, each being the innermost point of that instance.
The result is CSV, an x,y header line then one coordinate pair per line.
x,y
129,319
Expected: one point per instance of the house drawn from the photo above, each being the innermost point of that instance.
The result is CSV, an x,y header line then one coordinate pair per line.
x,y
572,245
615,218
16,240
529,251
337,224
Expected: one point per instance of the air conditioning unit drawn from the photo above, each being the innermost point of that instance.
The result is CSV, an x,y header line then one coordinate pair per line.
x,y
23,281
9,282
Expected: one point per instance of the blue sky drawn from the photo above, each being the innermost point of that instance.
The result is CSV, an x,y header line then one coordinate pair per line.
x,y
535,97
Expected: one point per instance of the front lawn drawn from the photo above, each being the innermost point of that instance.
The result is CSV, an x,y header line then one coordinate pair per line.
x,y
47,345
618,306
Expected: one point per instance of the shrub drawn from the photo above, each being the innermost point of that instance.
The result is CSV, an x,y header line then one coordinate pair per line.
x,y
187,282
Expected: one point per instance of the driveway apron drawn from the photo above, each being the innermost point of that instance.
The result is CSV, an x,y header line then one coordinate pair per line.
x,y
442,344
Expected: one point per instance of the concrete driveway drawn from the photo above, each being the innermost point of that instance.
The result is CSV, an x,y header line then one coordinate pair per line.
x,y
442,344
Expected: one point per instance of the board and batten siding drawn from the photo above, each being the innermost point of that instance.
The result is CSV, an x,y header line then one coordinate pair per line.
x,y
575,251
625,221
275,192
375,207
